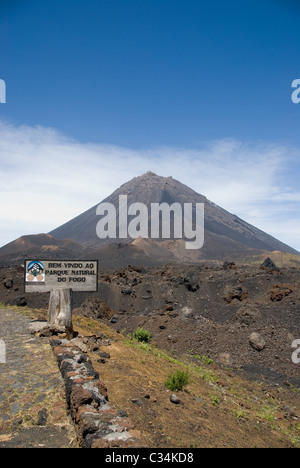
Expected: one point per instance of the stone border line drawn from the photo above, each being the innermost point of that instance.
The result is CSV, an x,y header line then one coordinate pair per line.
x,y
97,424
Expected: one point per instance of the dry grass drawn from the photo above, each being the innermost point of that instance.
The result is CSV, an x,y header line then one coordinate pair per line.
x,y
218,409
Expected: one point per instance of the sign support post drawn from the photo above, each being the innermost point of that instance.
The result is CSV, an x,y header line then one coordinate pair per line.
x,y
60,310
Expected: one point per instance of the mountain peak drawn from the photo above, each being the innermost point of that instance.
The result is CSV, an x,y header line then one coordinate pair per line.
x,y
153,175
225,234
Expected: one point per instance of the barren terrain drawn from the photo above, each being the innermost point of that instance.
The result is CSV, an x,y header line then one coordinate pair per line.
x,y
243,392
206,310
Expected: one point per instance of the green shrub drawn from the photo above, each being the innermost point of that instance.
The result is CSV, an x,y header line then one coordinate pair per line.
x,y
204,359
216,401
177,380
143,336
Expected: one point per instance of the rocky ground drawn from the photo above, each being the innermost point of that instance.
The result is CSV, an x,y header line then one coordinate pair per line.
x,y
131,404
240,316
243,317
216,409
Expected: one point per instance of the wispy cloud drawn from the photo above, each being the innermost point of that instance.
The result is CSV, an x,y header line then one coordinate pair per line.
x,y
47,179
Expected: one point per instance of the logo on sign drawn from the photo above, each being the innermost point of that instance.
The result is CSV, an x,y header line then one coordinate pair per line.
x,y
35,272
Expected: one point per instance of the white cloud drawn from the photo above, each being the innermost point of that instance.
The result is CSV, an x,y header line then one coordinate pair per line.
x,y
47,179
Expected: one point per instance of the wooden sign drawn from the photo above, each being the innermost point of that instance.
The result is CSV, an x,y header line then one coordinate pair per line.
x,y
47,275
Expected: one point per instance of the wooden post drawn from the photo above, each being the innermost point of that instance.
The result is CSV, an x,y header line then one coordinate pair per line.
x,y
60,311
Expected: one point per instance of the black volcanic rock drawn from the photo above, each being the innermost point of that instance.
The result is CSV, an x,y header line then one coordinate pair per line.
x,y
269,265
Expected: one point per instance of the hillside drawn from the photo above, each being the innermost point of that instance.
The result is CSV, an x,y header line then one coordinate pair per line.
x,y
207,309
225,235
38,246
216,409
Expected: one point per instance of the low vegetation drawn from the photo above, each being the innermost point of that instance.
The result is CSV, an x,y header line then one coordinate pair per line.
x,y
142,336
218,408
176,381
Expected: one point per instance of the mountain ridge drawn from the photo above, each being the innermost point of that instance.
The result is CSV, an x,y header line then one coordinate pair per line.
x,y
151,188
226,235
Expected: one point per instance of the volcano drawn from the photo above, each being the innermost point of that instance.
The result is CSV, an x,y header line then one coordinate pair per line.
x,y
226,235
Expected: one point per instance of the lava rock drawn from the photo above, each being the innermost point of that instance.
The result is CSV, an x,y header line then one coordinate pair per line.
x,y
174,399
42,417
20,302
257,342
8,283
137,401
248,315
191,283
269,265
232,293
225,359
280,291
229,266
80,396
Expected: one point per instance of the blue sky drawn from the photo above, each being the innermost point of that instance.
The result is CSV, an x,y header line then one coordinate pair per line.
x,y
194,89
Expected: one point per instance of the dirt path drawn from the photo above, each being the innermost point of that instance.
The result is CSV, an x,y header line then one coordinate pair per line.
x,y
32,400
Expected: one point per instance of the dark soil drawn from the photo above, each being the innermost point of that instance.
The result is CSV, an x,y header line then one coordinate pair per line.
x,y
38,437
206,310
